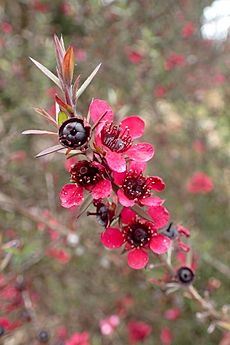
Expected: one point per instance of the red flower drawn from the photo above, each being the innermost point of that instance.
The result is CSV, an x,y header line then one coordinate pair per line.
x,y
116,141
138,331
86,175
188,30
40,7
59,254
80,54
134,56
135,188
172,314
138,236
6,27
200,183
166,336
108,325
173,61
159,91
78,339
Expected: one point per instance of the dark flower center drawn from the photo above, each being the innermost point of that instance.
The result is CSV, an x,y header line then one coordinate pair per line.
x,y
115,138
185,275
137,234
73,133
86,173
135,186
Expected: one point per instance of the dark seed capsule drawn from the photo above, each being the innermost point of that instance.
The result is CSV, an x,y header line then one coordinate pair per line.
x,y
73,133
102,215
43,336
2,331
185,275
171,232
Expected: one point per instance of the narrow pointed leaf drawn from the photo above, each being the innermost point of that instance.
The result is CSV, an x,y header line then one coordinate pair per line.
x,y
62,117
63,105
68,66
139,210
87,82
75,88
47,72
38,131
85,205
44,113
49,150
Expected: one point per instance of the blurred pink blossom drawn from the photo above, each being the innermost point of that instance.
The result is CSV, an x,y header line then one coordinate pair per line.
x,y
200,183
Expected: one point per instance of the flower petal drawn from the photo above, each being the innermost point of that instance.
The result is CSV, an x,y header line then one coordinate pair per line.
x,y
137,259
160,215
156,183
71,195
159,244
97,108
116,161
135,125
124,200
141,152
152,201
137,166
119,177
102,189
112,238
127,215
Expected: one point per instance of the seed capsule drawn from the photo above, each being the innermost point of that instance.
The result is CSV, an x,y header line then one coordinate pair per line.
x,y
171,232
185,275
74,133
43,336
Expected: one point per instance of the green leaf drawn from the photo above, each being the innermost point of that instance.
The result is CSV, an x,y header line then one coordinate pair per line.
x,y
62,117
47,72
139,210
87,81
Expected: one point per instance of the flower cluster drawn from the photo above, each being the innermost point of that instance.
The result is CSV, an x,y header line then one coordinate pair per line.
x,y
106,164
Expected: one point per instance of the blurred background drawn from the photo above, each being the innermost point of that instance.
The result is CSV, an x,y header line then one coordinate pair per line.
x,y
166,61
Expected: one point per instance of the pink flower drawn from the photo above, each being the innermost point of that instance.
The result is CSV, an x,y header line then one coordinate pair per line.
x,y
108,325
116,141
66,9
219,79
88,176
159,91
172,314
135,188
134,56
80,54
39,6
138,331
139,235
199,146
173,61
166,336
59,254
78,339
6,27
200,183
188,30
